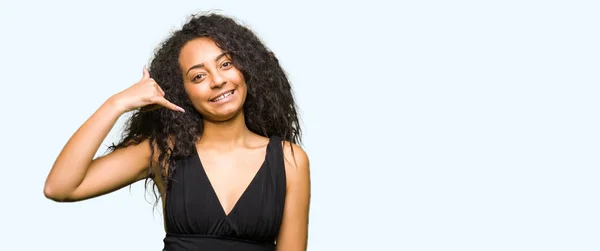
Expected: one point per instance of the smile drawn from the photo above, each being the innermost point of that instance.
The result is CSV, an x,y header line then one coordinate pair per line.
x,y
222,97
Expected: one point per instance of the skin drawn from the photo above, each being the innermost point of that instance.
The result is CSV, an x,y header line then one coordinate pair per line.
x,y
230,152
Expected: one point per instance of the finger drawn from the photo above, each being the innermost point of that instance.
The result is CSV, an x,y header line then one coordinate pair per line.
x,y
162,101
150,107
146,74
160,90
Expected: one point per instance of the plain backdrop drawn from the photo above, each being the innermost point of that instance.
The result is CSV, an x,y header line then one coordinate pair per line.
x,y
430,125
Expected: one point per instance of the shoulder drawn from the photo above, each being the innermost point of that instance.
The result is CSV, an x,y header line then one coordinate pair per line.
x,y
294,155
297,163
294,226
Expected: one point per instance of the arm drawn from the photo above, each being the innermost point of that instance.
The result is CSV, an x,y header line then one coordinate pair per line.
x,y
76,176
293,234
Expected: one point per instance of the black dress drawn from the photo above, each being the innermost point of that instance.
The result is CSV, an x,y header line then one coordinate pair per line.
x,y
195,219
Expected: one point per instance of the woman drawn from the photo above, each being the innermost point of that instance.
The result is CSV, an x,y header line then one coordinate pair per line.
x,y
217,133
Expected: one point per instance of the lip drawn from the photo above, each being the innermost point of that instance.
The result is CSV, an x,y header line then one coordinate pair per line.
x,y
221,93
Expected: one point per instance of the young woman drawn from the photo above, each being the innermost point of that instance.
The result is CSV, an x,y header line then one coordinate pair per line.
x,y
214,126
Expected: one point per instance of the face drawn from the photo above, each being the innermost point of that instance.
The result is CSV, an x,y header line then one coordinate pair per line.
x,y
215,87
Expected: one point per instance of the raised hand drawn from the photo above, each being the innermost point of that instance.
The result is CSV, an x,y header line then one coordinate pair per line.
x,y
145,94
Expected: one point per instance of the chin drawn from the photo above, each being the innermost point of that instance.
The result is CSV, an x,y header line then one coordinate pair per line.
x,y
223,117
223,114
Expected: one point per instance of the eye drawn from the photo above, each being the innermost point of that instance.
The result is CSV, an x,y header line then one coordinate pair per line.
x,y
226,64
198,77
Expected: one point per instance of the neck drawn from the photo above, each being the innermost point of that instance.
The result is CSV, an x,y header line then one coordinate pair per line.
x,y
225,134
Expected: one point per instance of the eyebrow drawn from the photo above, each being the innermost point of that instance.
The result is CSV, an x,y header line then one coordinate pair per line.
x,y
202,65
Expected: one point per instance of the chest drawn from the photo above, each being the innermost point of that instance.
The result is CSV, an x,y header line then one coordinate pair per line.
x,y
230,175
238,196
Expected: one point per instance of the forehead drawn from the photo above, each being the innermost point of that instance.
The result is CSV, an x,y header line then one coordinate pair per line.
x,y
199,50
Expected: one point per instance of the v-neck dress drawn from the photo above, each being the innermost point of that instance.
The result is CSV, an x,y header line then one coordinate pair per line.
x,y
195,219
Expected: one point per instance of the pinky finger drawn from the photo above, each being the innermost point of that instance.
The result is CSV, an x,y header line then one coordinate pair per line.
x,y
169,105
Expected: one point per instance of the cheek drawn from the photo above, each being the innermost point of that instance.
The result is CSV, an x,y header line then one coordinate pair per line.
x,y
196,93
235,76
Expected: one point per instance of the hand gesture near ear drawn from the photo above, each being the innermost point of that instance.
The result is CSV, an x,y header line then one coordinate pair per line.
x,y
78,175
145,94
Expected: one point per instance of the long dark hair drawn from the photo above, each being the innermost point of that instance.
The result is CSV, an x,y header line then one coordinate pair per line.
x,y
269,109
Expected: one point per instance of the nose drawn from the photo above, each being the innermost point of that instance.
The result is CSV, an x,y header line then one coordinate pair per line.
x,y
218,80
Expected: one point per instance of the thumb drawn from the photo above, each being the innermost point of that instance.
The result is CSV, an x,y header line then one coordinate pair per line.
x,y
146,74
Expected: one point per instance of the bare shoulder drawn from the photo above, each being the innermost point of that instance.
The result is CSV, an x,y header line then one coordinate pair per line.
x,y
297,163
295,156
294,227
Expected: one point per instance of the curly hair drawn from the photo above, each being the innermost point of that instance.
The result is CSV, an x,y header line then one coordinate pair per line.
x,y
269,109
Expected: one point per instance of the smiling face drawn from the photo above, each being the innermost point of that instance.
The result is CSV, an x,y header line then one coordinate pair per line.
x,y
215,87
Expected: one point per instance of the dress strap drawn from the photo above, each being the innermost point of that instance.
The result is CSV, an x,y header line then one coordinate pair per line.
x,y
277,175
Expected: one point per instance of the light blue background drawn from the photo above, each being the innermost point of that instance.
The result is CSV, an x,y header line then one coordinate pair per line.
x,y
431,125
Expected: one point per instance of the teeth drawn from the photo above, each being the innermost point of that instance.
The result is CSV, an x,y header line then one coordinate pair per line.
x,y
222,96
